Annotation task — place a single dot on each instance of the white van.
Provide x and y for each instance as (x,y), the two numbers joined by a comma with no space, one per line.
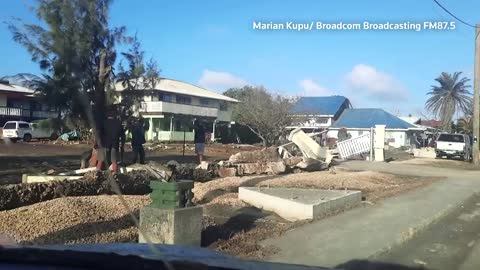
(20,130)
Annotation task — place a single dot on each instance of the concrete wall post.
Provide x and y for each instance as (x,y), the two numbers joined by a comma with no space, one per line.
(150,129)
(379,142)
(212,138)
(171,128)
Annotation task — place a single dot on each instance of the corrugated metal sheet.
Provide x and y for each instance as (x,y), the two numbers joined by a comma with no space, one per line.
(367,118)
(15,88)
(319,105)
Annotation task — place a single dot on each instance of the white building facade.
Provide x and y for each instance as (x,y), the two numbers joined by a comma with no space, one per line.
(360,121)
(172,106)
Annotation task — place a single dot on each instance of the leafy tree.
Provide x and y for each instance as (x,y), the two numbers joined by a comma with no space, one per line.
(452,95)
(264,113)
(76,50)
(139,77)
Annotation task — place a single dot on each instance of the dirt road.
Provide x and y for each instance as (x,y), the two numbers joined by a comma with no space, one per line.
(20,158)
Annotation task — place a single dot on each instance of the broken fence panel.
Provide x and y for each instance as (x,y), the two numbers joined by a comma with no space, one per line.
(354,146)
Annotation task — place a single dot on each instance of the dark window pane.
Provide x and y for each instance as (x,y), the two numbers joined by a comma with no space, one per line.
(451,138)
(184,99)
(10,126)
(165,97)
(204,101)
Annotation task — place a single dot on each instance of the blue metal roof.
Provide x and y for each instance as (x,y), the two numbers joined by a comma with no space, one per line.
(367,118)
(319,105)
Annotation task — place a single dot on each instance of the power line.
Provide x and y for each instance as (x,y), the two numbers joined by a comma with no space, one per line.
(459,31)
(453,15)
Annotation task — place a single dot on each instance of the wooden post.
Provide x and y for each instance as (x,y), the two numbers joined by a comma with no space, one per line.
(371,144)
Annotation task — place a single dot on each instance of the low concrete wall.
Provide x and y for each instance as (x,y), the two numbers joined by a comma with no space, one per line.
(299,204)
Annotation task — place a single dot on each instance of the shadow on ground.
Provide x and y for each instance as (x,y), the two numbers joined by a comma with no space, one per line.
(241,221)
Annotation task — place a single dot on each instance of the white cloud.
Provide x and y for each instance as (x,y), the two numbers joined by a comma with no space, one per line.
(375,83)
(220,80)
(311,88)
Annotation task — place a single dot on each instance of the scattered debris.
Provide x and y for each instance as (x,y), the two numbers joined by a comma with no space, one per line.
(355,146)
(203,165)
(227,172)
(310,165)
(276,168)
(69,136)
(309,148)
(265,155)
(80,171)
(292,161)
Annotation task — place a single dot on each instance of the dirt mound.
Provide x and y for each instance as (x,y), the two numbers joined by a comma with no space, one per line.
(374,185)
(13,196)
(92,219)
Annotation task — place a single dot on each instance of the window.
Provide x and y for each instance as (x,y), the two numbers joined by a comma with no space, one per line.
(450,138)
(204,101)
(165,97)
(20,125)
(321,120)
(10,126)
(184,99)
(223,106)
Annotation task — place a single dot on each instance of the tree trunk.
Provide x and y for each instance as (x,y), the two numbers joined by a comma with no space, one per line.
(99,106)
(264,140)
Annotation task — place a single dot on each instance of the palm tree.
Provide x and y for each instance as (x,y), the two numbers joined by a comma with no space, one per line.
(465,124)
(452,95)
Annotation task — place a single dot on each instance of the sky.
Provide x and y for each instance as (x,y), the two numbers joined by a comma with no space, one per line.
(214,44)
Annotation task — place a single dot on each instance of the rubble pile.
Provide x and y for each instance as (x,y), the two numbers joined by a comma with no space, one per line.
(133,183)
(266,161)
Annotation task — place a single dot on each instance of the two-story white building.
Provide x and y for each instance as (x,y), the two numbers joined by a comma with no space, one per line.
(172,106)
(20,103)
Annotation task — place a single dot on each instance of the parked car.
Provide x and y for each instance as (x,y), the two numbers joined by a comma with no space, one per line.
(451,145)
(20,130)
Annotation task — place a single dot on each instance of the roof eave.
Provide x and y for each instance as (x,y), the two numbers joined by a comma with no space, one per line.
(173,92)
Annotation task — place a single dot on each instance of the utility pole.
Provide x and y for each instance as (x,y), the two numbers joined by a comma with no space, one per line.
(476,100)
